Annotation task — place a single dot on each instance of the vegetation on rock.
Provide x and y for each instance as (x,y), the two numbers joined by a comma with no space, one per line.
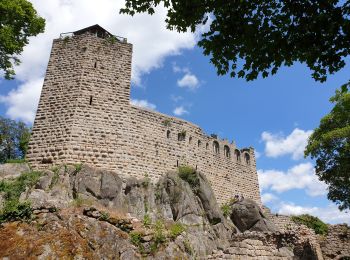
(312,222)
(188,174)
(12,189)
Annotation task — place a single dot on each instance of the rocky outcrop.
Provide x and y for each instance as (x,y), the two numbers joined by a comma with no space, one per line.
(247,215)
(85,213)
(13,170)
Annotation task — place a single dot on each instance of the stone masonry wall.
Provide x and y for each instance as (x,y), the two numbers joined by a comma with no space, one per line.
(336,245)
(84,115)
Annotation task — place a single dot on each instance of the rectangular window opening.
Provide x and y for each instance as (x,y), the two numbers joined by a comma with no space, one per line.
(90,100)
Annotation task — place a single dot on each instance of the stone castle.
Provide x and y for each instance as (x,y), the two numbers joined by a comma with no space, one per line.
(84,115)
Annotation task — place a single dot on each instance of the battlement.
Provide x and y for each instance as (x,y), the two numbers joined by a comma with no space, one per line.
(85,116)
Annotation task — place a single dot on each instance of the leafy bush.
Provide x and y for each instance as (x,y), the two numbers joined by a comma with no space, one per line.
(312,222)
(159,238)
(226,209)
(78,167)
(13,188)
(176,229)
(14,209)
(135,238)
(188,174)
(147,221)
(166,122)
(104,216)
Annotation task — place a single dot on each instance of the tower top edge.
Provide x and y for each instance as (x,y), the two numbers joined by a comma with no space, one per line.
(96,30)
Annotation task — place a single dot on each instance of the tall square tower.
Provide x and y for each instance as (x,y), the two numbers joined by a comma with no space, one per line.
(86,92)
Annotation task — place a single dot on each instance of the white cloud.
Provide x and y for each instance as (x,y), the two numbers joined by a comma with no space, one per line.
(23,100)
(143,103)
(179,111)
(301,176)
(294,144)
(152,42)
(189,81)
(178,69)
(330,214)
(268,197)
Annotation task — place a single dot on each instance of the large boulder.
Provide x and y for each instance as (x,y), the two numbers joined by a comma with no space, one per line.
(13,170)
(248,216)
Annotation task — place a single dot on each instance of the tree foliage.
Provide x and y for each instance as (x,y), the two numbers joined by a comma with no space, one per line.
(14,138)
(330,146)
(265,35)
(18,21)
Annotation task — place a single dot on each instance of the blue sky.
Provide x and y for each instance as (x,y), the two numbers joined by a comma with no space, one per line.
(171,75)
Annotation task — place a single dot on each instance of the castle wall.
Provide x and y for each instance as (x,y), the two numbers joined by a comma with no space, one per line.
(85,115)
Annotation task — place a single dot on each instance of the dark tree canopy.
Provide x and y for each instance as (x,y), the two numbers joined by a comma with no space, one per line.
(330,146)
(265,35)
(14,138)
(18,21)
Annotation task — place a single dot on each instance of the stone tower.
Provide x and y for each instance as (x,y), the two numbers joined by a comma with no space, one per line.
(87,80)
(85,116)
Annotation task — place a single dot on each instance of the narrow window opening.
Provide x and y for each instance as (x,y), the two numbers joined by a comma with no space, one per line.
(168,134)
(238,155)
(199,143)
(216,147)
(177,163)
(227,151)
(190,140)
(207,146)
(247,158)
(95,66)
(181,136)
(90,100)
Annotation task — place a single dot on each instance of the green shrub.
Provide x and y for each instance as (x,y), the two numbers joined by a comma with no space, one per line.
(312,222)
(166,122)
(159,238)
(147,221)
(78,167)
(104,216)
(14,209)
(176,229)
(135,238)
(226,209)
(14,187)
(146,181)
(188,174)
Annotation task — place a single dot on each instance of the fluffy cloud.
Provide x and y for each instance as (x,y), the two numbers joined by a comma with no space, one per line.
(294,144)
(151,40)
(330,214)
(22,100)
(143,103)
(179,111)
(301,176)
(189,81)
(268,197)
